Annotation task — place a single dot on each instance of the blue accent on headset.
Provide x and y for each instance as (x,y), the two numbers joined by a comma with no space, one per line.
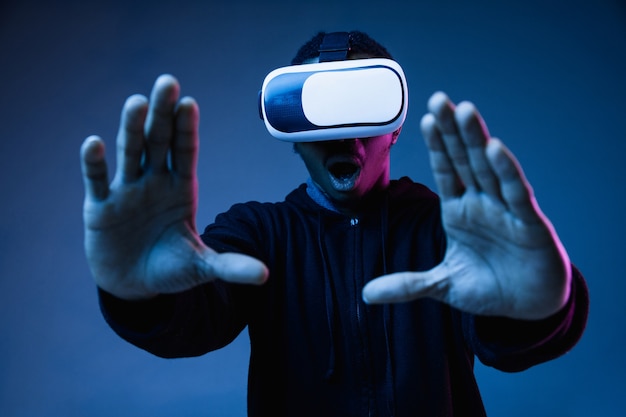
(283,103)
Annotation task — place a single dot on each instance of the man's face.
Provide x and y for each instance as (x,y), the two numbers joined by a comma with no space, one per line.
(348,170)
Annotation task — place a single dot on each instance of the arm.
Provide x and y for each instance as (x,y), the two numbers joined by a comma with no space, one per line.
(189,323)
(160,286)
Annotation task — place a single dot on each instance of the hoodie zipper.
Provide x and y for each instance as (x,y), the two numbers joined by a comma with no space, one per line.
(354,224)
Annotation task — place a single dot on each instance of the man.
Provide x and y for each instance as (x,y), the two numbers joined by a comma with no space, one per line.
(362,295)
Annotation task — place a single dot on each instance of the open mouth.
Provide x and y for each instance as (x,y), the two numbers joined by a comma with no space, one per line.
(344,175)
(343,170)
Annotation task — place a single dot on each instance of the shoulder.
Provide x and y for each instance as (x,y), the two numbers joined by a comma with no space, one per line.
(296,199)
(254,221)
(405,187)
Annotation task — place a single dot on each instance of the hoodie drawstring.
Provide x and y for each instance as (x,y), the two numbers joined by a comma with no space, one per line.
(387,323)
(329,296)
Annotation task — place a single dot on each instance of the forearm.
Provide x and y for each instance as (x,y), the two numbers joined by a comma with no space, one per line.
(184,324)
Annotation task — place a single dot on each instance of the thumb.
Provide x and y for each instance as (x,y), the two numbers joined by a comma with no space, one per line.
(236,268)
(406,286)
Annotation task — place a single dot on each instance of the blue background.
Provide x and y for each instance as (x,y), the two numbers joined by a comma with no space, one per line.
(548,76)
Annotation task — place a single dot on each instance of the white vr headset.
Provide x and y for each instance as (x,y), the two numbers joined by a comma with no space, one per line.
(334,100)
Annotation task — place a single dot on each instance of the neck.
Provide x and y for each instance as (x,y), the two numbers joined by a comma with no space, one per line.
(349,208)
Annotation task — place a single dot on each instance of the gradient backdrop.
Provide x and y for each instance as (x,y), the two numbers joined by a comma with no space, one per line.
(548,76)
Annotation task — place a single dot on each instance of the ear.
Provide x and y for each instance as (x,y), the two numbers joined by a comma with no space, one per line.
(395,134)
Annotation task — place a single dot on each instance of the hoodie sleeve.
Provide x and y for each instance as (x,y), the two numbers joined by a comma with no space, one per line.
(185,324)
(515,345)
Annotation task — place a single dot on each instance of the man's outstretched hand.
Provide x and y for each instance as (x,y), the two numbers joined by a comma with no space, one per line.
(140,234)
(503,256)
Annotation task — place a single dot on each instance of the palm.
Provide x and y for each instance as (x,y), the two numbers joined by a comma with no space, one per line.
(150,222)
(503,257)
(497,260)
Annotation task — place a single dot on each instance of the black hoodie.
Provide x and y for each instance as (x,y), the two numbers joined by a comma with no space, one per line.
(316,348)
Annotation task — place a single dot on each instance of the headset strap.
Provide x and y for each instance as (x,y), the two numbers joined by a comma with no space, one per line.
(335,47)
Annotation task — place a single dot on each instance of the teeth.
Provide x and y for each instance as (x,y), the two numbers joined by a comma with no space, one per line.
(343,184)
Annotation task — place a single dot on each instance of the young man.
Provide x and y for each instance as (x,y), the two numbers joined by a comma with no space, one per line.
(362,295)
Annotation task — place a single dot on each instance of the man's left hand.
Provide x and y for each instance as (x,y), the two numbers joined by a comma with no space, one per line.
(503,255)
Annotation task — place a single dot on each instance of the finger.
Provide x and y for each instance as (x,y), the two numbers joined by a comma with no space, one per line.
(185,147)
(445,176)
(235,267)
(443,109)
(405,286)
(130,139)
(160,121)
(475,136)
(515,189)
(94,169)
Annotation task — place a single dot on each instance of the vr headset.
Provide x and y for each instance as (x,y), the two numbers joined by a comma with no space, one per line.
(336,99)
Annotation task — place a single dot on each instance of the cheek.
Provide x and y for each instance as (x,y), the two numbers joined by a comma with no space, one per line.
(381,151)
(310,158)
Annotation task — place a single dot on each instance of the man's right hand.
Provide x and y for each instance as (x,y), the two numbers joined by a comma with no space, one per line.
(140,234)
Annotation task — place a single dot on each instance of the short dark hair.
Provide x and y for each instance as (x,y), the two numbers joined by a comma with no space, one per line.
(360,42)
